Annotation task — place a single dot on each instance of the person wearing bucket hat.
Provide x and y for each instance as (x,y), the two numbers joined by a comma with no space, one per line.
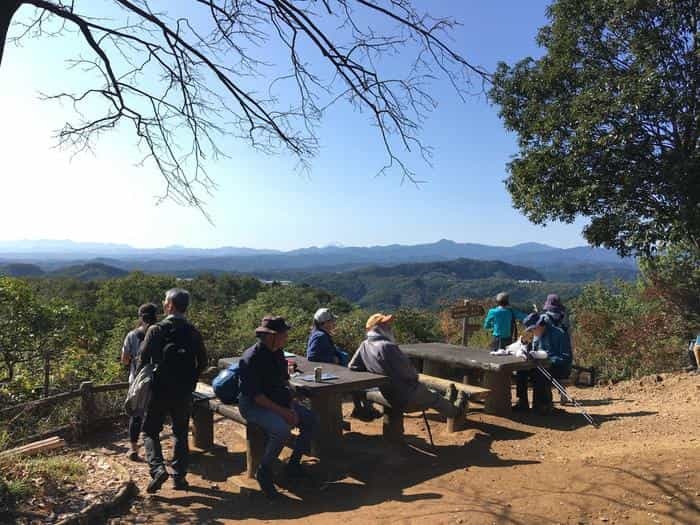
(321,349)
(556,344)
(266,399)
(130,357)
(380,354)
(502,321)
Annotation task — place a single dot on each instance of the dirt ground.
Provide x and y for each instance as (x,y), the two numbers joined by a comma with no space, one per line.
(640,466)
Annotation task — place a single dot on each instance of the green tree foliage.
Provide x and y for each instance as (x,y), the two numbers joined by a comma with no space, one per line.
(296,304)
(675,277)
(18,317)
(608,122)
(624,332)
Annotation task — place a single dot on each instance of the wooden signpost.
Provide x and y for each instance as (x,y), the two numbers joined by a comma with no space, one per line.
(464,311)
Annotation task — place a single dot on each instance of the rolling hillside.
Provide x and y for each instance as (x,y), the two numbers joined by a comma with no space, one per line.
(423,285)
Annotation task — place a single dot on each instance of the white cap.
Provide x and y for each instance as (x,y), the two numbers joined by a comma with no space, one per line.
(323,314)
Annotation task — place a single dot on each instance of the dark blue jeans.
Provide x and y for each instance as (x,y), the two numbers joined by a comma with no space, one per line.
(278,430)
(135,428)
(179,412)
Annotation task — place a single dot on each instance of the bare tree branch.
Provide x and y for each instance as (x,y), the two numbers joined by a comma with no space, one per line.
(185,87)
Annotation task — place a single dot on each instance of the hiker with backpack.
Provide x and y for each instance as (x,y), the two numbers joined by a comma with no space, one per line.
(502,321)
(130,357)
(266,399)
(177,350)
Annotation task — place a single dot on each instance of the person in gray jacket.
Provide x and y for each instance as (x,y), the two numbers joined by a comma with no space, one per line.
(380,354)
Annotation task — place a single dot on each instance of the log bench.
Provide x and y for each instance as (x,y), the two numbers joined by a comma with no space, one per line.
(438,358)
(392,422)
(204,405)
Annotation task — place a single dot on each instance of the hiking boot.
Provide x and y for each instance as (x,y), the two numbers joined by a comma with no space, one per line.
(521,406)
(451,393)
(462,402)
(133,455)
(365,413)
(180,483)
(296,471)
(542,410)
(157,482)
(264,479)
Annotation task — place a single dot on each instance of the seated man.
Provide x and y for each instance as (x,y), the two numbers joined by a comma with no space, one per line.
(266,400)
(380,354)
(556,343)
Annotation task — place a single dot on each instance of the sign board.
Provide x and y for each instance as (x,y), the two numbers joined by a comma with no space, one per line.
(466,310)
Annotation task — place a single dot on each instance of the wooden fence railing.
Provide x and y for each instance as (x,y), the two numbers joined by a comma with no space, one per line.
(83,418)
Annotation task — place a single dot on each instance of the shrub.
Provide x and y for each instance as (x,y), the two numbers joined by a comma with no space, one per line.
(624,333)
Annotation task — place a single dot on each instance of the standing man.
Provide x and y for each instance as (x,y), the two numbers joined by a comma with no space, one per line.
(130,358)
(177,350)
(501,320)
(266,399)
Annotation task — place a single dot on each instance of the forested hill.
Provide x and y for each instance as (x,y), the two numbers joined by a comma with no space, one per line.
(90,271)
(425,284)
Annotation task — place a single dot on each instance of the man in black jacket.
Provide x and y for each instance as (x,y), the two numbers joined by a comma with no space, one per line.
(176,348)
(268,401)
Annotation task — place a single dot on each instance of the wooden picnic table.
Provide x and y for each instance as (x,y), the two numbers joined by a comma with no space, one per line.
(497,369)
(326,396)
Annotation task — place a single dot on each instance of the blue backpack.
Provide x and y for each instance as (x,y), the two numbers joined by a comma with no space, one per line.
(226,384)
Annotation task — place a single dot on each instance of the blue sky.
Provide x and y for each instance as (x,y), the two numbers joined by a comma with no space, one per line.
(261,201)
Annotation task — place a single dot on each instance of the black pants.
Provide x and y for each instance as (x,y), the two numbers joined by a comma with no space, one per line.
(135,428)
(178,408)
(500,342)
(541,388)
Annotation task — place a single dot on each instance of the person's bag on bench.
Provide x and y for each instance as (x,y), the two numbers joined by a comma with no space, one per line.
(226,384)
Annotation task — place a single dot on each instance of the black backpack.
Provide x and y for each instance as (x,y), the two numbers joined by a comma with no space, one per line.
(176,373)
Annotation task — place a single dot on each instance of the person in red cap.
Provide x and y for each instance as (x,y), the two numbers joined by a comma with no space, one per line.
(380,354)
(267,400)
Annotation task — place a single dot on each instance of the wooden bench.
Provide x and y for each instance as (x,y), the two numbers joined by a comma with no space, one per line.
(205,404)
(392,423)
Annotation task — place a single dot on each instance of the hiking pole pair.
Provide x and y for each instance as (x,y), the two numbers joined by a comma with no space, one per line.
(563,391)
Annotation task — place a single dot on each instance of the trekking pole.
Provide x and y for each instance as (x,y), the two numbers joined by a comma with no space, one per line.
(427,426)
(563,392)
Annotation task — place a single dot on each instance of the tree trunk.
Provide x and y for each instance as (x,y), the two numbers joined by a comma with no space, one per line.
(47,372)
(7,11)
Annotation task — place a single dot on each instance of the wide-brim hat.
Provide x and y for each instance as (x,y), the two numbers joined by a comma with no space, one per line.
(378,318)
(273,325)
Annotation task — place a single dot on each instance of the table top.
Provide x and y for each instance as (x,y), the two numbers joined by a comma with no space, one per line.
(347,380)
(467,357)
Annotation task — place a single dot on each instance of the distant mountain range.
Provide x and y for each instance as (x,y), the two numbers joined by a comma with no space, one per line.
(566,264)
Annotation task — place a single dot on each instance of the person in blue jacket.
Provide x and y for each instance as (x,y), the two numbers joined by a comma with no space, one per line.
(501,320)
(557,344)
(321,349)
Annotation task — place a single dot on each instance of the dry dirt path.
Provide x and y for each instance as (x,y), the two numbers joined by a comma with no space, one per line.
(640,466)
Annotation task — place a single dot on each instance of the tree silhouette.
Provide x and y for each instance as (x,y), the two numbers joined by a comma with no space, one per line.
(181,76)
